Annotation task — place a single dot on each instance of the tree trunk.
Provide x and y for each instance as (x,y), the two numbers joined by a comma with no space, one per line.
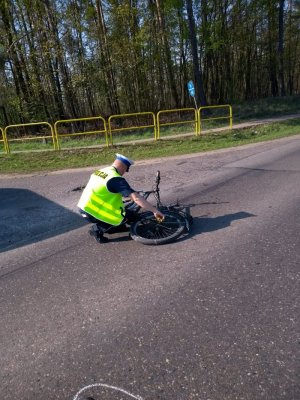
(108,66)
(272,50)
(200,95)
(281,47)
(167,52)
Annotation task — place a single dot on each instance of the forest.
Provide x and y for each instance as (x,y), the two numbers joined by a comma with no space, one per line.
(62,59)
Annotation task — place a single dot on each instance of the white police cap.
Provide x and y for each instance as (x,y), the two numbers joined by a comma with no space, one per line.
(124,160)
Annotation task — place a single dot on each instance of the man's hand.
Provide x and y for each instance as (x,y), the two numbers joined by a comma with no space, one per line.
(140,201)
(159,216)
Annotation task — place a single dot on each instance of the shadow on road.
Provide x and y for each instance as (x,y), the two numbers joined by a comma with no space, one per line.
(210,224)
(26,217)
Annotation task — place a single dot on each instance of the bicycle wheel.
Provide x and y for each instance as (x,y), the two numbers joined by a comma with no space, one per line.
(148,230)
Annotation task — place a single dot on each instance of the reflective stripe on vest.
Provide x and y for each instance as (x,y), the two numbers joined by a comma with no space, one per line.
(98,201)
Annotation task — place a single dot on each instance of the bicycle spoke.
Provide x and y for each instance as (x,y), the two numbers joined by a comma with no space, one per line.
(152,229)
(149,231)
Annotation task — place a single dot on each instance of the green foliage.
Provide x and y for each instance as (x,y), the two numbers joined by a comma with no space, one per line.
(262,108)
(66,59)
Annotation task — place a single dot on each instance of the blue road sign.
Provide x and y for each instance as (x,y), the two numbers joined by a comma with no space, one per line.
(191,88)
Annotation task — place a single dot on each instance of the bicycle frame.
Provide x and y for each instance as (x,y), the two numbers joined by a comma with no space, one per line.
(131,205)
(184,211)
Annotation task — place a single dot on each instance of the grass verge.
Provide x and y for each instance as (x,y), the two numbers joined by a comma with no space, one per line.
(28,162)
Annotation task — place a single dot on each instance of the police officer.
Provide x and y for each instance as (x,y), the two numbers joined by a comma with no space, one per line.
(101,201)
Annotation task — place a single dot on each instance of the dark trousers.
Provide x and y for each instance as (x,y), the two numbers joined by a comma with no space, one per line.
(130,216)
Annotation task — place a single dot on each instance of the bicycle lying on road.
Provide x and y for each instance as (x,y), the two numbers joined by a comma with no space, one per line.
(148,230)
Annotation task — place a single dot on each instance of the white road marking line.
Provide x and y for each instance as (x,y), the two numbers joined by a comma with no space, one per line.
(106,386)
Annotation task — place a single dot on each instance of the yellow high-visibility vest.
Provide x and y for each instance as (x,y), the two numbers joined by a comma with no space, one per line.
(98,201)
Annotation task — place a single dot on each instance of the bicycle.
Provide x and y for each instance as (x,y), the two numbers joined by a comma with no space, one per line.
(150,231)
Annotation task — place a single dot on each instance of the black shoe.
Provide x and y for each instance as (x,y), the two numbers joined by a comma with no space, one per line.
(101,238)
(94,231)
(98,235)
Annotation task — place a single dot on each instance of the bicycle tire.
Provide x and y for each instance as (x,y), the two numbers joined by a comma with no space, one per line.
(148,230)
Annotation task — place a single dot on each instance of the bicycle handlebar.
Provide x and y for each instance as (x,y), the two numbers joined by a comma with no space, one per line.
(157,181)
(130,204)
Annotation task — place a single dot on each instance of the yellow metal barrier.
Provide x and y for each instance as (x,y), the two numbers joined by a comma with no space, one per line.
(215,118)
(195,120)
(156,122)
(29,138)
(4,140)
(94,132)
(119,116)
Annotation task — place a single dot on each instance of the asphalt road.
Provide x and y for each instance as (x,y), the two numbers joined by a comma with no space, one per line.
(211,317)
